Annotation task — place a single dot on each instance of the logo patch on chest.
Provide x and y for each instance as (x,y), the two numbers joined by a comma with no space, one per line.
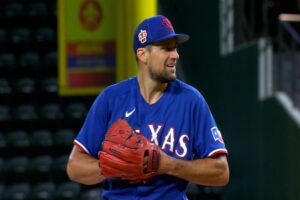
(129,113)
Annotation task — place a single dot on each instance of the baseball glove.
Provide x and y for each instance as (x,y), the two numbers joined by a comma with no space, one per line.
(127,155)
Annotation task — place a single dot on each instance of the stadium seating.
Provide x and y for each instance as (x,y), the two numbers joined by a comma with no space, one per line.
(3,36)
(18,142)
(37,9)
(58,168)
(18,191)
(25,112)
(2,190)
(50,59)
(39,169)
(41,142)
(3,147)
(5,91)
(75,111)
(1,173)
(42,191)
(91,194)
(14,9)
(30,60)
(67,191)
(20,35)
(25,85)
(37,125)
(43,34)
(5,87)
(15,169)
(49,85)
(51,111)
(63,139)
(5,117)
(7,60)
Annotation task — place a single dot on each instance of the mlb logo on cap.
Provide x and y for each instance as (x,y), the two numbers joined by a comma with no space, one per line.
(155,29)
(143,36)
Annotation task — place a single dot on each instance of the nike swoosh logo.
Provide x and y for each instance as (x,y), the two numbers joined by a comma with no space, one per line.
(127,114)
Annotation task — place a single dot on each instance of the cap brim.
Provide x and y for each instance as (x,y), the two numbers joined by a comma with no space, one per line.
(181,38)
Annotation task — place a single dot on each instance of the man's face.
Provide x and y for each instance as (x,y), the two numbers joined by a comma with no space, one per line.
(162,60)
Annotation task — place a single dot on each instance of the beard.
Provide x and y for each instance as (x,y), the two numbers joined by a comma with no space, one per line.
(161,76)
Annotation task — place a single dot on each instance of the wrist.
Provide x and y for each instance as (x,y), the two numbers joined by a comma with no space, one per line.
(166,165)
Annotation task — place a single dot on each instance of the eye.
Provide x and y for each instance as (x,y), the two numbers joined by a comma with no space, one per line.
(169,47)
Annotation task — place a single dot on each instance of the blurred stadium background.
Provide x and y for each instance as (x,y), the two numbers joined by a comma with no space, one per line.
(243,56)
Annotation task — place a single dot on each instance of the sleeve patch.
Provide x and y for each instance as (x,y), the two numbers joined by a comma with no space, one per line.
(217,134)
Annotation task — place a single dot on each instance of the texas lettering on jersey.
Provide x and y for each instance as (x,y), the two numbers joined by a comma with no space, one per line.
(169,140)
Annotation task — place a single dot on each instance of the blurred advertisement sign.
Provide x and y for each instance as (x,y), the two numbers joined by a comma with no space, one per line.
(87,46)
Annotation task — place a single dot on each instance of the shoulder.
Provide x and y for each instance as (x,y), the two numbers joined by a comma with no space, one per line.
(116,91)
(186,90)
(120,88)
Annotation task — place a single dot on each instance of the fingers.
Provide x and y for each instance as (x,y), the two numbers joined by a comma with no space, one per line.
(145,163)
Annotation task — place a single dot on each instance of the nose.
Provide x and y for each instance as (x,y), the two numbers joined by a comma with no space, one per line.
(174,54)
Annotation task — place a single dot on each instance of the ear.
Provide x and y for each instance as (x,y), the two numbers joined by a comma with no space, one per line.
(142,54)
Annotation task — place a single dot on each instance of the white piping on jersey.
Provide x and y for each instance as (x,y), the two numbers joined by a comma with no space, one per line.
(221,150)
(79,144)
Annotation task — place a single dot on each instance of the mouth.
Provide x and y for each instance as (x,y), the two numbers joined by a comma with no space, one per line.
(171,66)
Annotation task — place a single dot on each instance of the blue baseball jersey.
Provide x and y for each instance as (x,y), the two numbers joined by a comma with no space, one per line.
(180,122)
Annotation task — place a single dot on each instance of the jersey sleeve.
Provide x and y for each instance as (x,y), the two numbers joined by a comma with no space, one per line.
(208,139)
(94,128)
